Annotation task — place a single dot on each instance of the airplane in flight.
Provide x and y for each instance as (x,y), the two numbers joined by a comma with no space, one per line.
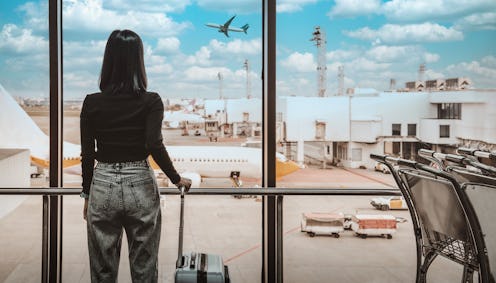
(18,130)
(225,27)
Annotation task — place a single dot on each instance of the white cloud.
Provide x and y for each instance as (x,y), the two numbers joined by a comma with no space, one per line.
(201,57)
(489,61)
(14,39)
(237,7)
(209,74)
(340,55)
(301,62)
(401,53)
(483,71)
(420,10)
(363,64)
(480,21)
(431,57)
(168,45)
(36,15)
(87,55)
(290,6)
(384,53)
(353,8)
(237,46)
(148,5)
(433,75)
(392,33)
(89,15)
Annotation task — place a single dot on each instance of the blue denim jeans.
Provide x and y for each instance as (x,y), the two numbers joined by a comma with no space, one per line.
(124,196)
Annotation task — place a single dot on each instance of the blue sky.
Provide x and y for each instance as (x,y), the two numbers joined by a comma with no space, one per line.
(374,40)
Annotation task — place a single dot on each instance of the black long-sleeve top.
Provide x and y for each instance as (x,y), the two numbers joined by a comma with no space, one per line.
(122,127)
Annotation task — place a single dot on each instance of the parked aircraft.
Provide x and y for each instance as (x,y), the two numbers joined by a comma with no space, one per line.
(225,27)
(18,130)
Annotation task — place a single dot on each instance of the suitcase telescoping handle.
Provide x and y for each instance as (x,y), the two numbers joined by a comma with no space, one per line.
(179,262)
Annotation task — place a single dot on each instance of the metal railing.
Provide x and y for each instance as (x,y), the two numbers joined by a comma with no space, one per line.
(48,194)
(218,191)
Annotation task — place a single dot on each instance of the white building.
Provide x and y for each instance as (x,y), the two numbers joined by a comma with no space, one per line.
(396,123)
(240,116)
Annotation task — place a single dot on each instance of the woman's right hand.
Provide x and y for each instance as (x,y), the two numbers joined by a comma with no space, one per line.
(184,182)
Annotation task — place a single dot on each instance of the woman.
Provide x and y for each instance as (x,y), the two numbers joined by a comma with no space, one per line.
(124,122)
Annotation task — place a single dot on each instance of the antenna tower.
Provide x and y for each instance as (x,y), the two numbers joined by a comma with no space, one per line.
(392,84)
(320,41)
(220,77)
(421,72)
(246,65)
(340,80)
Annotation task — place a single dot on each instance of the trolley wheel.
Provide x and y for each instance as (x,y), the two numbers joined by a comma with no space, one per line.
(311,234)
(384,207)
(363,236)
(389,236)
(335,235)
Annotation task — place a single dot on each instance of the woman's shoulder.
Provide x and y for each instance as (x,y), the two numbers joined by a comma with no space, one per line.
(92,96)
(151,97)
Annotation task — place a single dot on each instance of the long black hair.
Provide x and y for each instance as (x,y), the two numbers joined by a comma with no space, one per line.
(123,68)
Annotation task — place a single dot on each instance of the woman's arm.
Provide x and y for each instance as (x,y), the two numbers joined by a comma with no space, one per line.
(154,140)
(87,147)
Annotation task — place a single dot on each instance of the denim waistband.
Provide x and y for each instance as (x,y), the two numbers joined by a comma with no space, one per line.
(114,165)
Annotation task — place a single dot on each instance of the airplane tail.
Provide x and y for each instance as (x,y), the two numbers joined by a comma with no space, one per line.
(17,128)
(245,27)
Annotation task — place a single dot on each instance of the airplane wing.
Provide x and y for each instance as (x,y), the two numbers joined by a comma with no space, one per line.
(226,25)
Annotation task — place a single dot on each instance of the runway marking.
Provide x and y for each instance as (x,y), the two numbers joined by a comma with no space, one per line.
(370,178)
(243,253)
(259,245)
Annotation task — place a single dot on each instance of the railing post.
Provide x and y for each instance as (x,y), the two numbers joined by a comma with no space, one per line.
(270,244)
(52,262)
(44,241)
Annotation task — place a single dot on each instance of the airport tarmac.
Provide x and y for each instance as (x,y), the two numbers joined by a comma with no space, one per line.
(232,228)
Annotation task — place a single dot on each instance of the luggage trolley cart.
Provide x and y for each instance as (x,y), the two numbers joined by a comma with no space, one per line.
(322,224)
(373,225)
(445,223)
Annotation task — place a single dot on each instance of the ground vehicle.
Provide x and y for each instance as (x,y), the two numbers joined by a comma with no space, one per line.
(386,203)
(322,224)
(374,225)
(381,168)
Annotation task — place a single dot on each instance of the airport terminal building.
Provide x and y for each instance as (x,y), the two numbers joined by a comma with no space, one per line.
(350,128)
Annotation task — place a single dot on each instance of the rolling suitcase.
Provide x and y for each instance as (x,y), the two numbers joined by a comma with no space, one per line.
(198,267)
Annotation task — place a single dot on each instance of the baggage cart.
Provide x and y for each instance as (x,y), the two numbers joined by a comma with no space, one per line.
(322,224)
(374,225)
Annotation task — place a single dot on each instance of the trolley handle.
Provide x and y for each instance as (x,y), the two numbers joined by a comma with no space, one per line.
(464,150)
(180,259)
(378,157)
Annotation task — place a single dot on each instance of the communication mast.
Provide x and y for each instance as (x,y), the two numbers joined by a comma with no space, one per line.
(219,76)
(246,65)
(340,80)
(421,72)
(320,41)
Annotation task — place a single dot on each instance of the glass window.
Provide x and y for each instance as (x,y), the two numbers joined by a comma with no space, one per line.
(210,85)
(209,81)
(24,140)
(449,111)
(412,129)
(444,131)
(396,130)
